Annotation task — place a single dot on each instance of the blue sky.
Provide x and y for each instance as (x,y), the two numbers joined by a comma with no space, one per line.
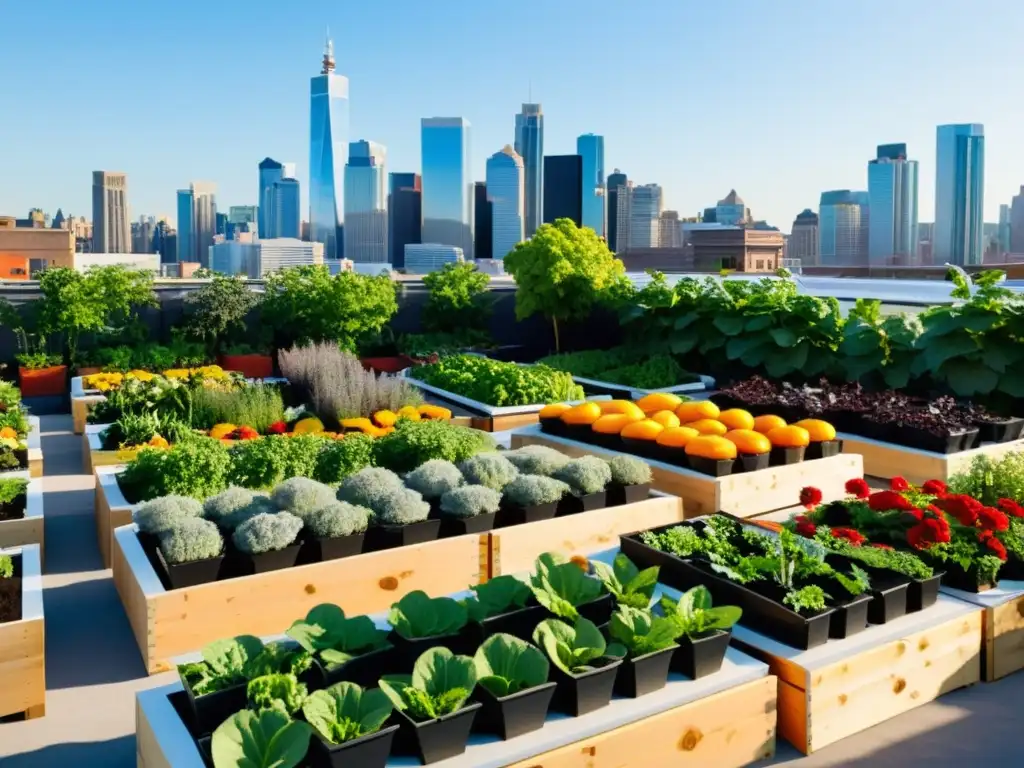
(780,99)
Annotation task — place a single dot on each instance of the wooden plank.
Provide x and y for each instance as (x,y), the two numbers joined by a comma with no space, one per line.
(889,460)
(514,549)
(500,423)
(30,529)
(744,494)
(1002,627)
(23,645)
(112,510)
(168,624)
(35,462)
(733,728)
(80,407)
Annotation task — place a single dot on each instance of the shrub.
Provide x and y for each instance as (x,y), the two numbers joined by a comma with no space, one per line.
(434,478)
(470,501)
(334,384)
(266,533)
(340,458)
(489,469)
(370,488)
(585,475)
(266,462)
(401,507)
(536,459)
(458,299)
(220,308)
(12,488)
(416,442)
(529,490)
(164,513)
(257,406)
(302,496)
(195,467)
(500,384)
(232,507)
(629,470)
(190,540)
(338,519)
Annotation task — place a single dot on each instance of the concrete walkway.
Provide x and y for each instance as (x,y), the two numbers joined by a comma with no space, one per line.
(94,669)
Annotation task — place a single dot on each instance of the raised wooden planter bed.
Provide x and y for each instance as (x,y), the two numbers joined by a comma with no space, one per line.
(22,644)
(169,623)
(1002,647)
(725,720)
(112,509)
(30,528)
(82,401)
(35,450)
(93,454)
(744,495)
(623,392)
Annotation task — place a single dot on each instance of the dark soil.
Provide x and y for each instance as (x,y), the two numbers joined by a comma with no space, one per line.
(10,594)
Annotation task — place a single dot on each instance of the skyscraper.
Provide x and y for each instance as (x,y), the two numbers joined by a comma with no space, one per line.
(615,180)
(110,233)
(186,226)
(285,212)
(366,200)
(529,145)
(483,238)
(645,208)
(405,215)
(591,148)
(892,203)
(843,228)
(731,211)
(447,184)
(328,155)
(959,194)
(670,234)
(803,242)
(563,188)
(1004,229)
(506,193)
(1017,223)
(271,171)
(197,222)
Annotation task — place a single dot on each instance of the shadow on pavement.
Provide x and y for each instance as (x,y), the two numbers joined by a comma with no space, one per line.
(114,753)
(71,545)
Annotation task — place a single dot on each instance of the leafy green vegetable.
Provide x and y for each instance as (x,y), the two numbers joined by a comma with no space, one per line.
(499,595)
(856,583)
(561,587)
(499,384)
(225,664)
(260,739)
(345,711)
(276,691)
(417,616)
(506,665)
(695,615)
(627,583)
(571,648)
(440,684)
(640,632)
(336,639)
(6,567)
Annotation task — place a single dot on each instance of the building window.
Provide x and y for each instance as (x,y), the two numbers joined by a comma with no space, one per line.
(760,265)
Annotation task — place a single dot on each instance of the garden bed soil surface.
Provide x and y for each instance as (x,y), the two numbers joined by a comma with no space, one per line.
(10,594)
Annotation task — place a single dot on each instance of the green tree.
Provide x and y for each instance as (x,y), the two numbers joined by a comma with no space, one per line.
(459,300)
(562,272)
(219,311)
(70,305)
(120,292)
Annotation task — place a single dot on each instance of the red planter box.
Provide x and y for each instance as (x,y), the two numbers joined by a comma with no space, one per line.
(251,366)
(386,364)
(43,382)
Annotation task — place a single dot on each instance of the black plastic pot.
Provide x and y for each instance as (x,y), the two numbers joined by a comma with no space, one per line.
(21,454)
(609,441)
(365,670)
(922,593)
(888,603)
(206,750)
(511,716)
(712,467)
(700,656)
(553,426)
(212,709)
(519,623)
(751,462)
(1005,431)
(598,611)
(191,574)
(456,526)
(585,693)
(823,449)
(644,556)
(510,514)
(849,617)
(581,433)
(370,751)
(617,495)
(149,542)
(321,550)
(464,642)
(670,455)
(265,562)
(15,508)
(643,674)
(573,505)
(380,537)
(914,437)
(781,457)
(956,577)
(648,449)
(435,740)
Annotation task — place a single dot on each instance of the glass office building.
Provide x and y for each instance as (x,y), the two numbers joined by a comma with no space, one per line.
(505,191)
(959,194)
(424,258)
(563,188)
(328,155)
(185,225)
(892,203)
(286,214)
(271,172)
(447,185)
(366,199)
(591,148)
(529,145)
(616,180)
(843,227)
(405,214)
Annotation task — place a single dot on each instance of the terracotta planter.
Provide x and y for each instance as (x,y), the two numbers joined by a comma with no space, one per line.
(43,382)
(251,366)
(89,371)
(392,364)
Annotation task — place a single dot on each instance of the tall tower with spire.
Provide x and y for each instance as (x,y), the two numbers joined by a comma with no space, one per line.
(328,155)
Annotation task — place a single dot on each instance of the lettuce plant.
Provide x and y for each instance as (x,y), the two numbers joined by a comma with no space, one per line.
(627,583)
(571,648)
(638,632)
(496,596)
(506,665)
(439,685)
(417,616)
(268,738)
(336,639)
(226,663)
(280,691)
(695,615)
(345,711)
(561,587)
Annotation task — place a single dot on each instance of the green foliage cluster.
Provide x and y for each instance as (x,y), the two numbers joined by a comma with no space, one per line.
(257,406)
(416,442)
(458,299)
(146,356)
(989,480)
(218,314)
(10,489)
(629,366)
(496,383)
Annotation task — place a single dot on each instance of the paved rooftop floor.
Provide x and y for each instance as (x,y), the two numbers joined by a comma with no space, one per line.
(94,668)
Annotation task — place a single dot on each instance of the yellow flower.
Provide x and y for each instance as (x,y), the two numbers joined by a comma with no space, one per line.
(385,418)
(409,412)
(438,412)
(361,423)
(177,373)
(8,433)
(221,431)
(158,442)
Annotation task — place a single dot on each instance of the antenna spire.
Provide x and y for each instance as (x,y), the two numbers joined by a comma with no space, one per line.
(328,61)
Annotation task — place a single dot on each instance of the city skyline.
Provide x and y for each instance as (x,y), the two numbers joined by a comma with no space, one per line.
(693,147)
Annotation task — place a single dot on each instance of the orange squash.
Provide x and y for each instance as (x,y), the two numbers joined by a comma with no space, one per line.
(627,407)
(647,429)
(768,422)
(818,430)
(676,437)
(708,426)
(667,419)
(695,410)
(582,414)
(554,411)
(611,423)
(711,447)
(659,401)
(748,441)
(737,418)
(789,437)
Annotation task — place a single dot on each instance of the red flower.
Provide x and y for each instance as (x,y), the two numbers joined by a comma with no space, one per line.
(880,545)
(931,530)
(277,428)
(883,501)
(963,508)
(810,497)
(805,527)
(992,519)
(913,515)
(994,545)
(934,488)
(853,536)
(899,484)
(858,487)
(247,433)
(1011,507)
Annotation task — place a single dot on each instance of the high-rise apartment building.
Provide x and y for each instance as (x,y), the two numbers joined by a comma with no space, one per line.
(110,233)
(184,244)
(1003,233)
(591,148)
(483,238)
(529,145)
(843,223)
(670,234)
(141,233)
(405,215)
(959,194)
(616,180)
(803,241)
(447,185)
(1017,223)
(366,200)
(197,221)
(328,155)
(892,204)
(645,206)
(563,188)
(506,193)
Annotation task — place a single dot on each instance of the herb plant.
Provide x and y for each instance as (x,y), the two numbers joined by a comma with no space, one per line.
(434,478)
(266,533)
(337,459)
(162,514)
(627,584)
(531,490)
(506,665)
(417,616)
(345,711)
(499,384)
(536,459)
(191,540)
(490,469)
(440,684)
(470,501)
(416,442)
(11,489)
(196,467)
(585,475)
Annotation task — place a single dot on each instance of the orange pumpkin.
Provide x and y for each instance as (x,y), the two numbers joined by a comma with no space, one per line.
(667,419)
(818,430)
(554,411)
(677,437)
(748,441)
(789,437)
(611,423)
(582,414)
(708,426)
(695,410)
(626,407)
(711,447)
(768,422)
(647,429)
(659,401)
(736,418)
